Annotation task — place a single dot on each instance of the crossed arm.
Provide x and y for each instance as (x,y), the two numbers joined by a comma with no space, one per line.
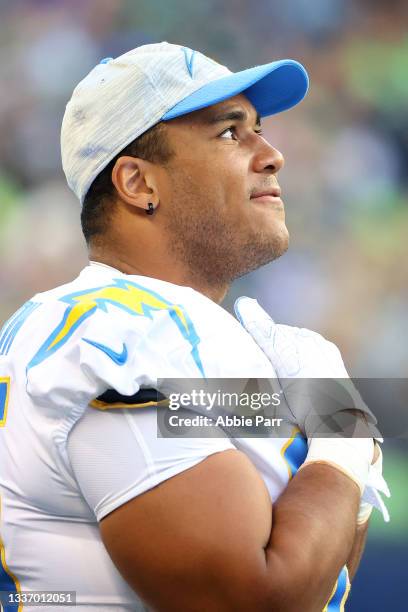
(209,539)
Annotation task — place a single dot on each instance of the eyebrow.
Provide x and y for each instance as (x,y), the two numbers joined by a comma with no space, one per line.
(231,115)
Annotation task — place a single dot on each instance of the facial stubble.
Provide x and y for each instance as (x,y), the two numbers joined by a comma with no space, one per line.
(216,251)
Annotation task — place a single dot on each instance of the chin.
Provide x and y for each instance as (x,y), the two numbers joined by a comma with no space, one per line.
(261,250)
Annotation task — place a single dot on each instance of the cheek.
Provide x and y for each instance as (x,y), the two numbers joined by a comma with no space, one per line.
(235,186)
(219,184)
(203,182)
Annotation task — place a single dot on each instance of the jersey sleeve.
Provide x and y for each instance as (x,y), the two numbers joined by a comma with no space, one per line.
(116,455)
(106,351)
(80,378)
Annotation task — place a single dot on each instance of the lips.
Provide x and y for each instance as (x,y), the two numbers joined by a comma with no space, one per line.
(273,192)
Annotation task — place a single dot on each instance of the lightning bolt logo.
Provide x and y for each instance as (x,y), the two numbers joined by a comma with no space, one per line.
(127,295)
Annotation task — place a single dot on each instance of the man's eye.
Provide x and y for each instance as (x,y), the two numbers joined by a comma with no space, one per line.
(228,133)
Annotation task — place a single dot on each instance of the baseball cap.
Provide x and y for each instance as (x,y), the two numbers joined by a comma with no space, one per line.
(122,98)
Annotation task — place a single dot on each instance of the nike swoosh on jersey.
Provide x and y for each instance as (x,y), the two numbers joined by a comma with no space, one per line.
(119,358)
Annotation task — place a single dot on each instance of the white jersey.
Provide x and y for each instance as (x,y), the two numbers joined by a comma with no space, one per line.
(74,442)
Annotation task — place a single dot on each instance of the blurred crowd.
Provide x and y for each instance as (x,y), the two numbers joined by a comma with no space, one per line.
(345,182)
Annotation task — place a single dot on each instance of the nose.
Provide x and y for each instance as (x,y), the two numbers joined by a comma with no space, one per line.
(267,159)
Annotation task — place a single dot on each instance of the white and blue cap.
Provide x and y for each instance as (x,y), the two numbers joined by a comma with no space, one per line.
(122,98)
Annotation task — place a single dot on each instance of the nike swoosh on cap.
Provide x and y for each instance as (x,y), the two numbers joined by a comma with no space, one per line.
(119,358)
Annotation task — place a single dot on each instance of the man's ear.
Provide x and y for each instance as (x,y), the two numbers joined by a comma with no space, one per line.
(135,182)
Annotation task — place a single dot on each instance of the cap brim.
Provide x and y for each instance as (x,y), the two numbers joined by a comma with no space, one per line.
(272,88)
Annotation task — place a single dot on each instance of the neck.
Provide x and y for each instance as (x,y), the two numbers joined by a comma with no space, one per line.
(171,272)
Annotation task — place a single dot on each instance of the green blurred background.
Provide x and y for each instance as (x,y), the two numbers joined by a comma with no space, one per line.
(345,182)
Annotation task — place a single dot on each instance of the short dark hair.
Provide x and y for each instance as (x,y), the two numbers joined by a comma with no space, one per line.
(98,204)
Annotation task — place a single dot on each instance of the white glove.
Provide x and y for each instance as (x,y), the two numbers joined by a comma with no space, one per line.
(302,354)
(301,358)
(371,497)
(352,456)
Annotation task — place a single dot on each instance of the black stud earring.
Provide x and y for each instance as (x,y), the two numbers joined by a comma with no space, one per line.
(150,209)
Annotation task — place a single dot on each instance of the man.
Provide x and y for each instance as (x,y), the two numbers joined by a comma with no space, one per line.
(163,147)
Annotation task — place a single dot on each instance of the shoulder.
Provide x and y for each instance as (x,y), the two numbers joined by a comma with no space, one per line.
(108,306)
(107,331)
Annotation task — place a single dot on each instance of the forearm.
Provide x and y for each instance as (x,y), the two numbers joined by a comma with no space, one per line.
(357,550)
(314,525)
